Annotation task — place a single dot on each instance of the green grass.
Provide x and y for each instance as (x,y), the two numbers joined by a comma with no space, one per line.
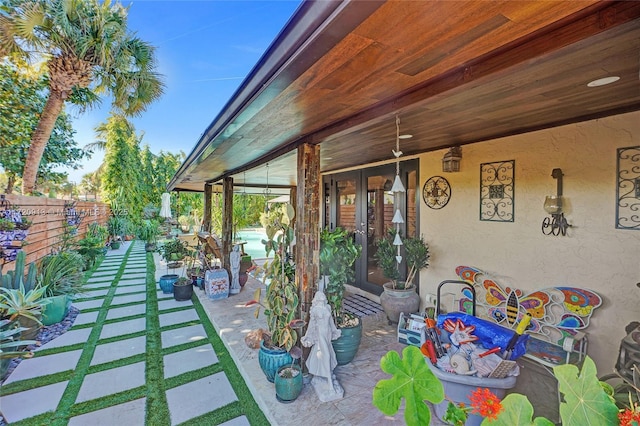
(154,390)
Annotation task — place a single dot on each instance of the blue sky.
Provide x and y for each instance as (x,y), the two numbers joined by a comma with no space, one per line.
(205,49)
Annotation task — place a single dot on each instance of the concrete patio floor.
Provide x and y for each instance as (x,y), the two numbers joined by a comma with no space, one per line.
(234,320)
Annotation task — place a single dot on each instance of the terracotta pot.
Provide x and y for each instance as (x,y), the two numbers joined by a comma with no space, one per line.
(395,301)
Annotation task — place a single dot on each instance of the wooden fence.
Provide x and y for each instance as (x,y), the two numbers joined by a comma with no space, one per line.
(48,216)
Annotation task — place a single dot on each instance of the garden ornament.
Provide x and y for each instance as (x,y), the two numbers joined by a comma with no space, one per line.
(322,358)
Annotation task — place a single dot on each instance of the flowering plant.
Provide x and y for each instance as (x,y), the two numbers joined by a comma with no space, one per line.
(585,401)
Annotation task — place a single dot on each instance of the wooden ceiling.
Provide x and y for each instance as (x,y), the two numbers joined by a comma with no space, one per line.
(455,72)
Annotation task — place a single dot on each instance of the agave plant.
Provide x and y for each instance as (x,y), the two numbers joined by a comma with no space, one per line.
(18,303)
(9,342)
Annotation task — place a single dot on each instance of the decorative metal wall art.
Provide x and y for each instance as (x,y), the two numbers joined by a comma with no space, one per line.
(628,188)
(436,192)
(497,185)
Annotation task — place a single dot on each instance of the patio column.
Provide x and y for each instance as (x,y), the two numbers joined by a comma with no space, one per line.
(227,220)
(206,220)
(307,229)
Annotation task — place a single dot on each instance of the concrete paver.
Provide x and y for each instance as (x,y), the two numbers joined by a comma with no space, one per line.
(126,311)
(71,337)
(182,335)
(135,281)
(189,360)
(172,303)
(88,304)
(111,381)
(178,317)
(199,397)
(129,413)
(92,293)
(44,365)
(32,402)
(130,289)
(86,318)
(238,421)
(120,299)
(123,327)
(106,352)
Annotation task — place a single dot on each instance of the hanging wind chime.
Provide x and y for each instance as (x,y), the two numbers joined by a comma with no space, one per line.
(397,189)
(267,192)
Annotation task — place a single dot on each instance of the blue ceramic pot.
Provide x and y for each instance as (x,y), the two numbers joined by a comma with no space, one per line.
(346,346)
(288,387)
(166,283)
(271,360)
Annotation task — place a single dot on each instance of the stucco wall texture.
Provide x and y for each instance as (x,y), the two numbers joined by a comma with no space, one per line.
(594,255)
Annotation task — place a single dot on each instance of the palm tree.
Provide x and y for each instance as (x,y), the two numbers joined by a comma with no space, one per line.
(87,46)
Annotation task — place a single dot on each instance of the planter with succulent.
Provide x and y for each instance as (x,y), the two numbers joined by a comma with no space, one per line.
(400,296)
(281,301)
(61,275)
(338,253)
(288,380)
(148,232)
(25,307)
(11,344)
(117,227)
(182,289)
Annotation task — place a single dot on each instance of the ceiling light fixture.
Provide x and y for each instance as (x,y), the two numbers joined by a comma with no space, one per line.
(406,136)
(603,81)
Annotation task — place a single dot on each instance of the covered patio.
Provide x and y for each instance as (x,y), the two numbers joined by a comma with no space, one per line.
(535,86)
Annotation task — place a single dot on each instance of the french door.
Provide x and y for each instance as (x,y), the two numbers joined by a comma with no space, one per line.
(361,202)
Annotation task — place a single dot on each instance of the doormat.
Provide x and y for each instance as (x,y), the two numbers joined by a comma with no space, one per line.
(360,305)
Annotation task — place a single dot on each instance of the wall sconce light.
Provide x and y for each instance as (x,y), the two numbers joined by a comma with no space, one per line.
(451,160)
(556,224)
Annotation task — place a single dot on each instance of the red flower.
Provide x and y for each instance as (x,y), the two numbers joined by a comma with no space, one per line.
(485,403)
(629,417)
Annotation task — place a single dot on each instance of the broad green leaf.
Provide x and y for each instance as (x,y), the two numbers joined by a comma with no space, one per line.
(585,401)
(517,411)
(412,380)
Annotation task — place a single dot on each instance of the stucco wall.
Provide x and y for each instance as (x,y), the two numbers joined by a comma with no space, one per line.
(595,255)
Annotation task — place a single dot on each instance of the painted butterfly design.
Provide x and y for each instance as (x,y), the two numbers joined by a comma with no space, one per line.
(556,311)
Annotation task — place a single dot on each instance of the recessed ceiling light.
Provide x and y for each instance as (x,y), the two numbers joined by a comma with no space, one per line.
(603,81)
(405,136)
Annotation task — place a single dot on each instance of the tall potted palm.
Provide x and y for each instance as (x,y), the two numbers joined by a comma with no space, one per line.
(88,50)
(400,295)
(338,253)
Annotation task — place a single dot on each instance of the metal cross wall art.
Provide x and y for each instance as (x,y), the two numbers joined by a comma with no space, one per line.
(628,188)
(497,186)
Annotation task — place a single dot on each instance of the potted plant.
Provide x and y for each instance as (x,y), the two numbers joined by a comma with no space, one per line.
(10,344)
(400,296)
(185,223)
(149,232)
(23,306)
(61,275)
(117,227)
(281,304)
(338,253)
(173,252)
(288,380)
(182,289)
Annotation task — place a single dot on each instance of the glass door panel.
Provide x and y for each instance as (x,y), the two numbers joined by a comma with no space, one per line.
(380,209)
(346,204)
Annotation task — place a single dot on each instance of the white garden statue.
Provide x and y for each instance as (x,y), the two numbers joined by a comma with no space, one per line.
(322,358)
(234,260)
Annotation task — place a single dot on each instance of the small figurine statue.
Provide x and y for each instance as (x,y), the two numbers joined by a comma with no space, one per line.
(234,260)
(322,358)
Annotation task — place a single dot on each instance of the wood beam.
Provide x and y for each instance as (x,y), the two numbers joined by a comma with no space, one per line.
(227,221)
(206,220)
(307,230)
